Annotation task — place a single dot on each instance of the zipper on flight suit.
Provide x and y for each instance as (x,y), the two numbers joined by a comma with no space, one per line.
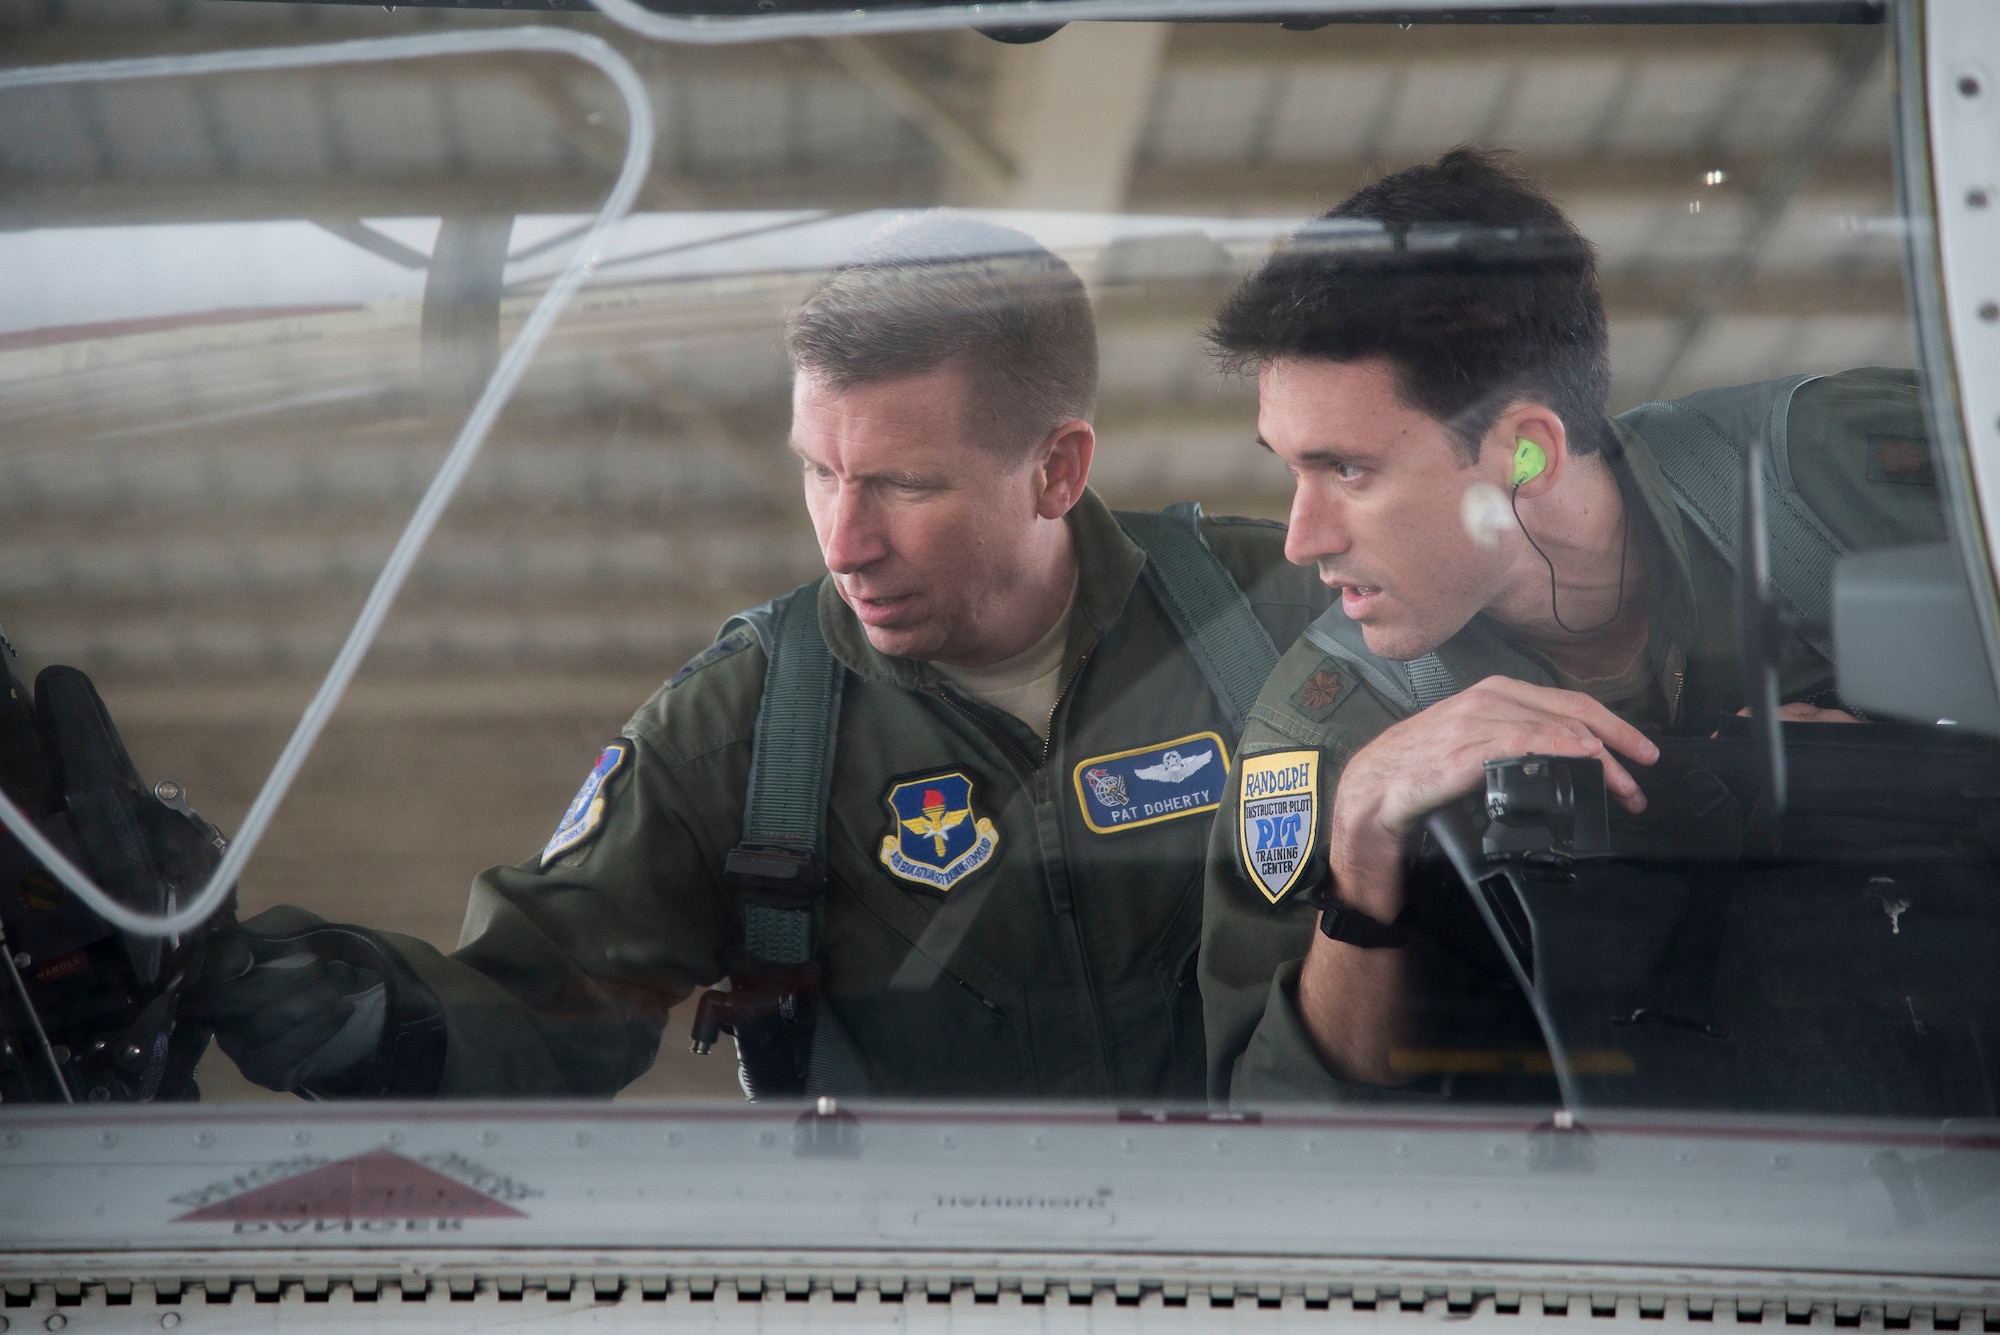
(1037,775)
(1677,672)
(949,694)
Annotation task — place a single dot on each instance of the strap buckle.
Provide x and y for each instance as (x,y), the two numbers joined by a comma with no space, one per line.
(1343,922)
(1337,922)
(774,877)
(777,891)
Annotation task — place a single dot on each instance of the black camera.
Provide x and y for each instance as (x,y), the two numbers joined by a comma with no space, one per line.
(1546,809)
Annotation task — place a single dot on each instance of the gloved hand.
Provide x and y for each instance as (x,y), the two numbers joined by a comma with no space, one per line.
(286,1008)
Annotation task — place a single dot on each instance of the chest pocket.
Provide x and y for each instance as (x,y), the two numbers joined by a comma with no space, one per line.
(930,1013)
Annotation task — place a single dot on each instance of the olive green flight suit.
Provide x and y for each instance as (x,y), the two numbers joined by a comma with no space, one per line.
(1061,967)
(1858,458)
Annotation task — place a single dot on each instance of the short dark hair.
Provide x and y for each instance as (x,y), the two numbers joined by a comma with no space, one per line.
(1463,275)
(941,289)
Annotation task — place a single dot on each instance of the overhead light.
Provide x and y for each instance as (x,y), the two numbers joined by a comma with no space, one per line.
(1716,176)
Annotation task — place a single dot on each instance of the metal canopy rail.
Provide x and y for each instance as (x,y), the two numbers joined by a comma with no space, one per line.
(258,1203)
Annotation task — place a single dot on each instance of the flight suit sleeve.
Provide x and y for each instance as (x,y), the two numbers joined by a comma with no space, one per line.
(1252,946)
(568,963)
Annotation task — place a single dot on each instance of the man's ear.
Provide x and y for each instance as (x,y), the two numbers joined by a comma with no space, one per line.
(1064,468)
(1538,425)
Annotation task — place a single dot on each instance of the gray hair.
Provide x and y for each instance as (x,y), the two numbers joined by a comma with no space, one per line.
(942,289)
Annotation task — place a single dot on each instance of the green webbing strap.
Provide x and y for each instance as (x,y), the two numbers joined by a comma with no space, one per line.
(791,766)
(777,935)
(1431,681)
(786,807)
(1227,640)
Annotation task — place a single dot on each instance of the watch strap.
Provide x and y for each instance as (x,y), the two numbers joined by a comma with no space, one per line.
(1337,922)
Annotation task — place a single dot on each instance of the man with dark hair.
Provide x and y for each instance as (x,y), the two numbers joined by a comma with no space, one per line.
(938,816)
(1516,574)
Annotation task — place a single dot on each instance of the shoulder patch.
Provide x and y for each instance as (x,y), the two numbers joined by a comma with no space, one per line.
(936,839)
(734,642)
(1149,784)
(1320,692)
(1278,807)
(586,810)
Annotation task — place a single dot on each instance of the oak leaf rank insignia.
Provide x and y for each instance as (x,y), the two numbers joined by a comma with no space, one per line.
(1321,691)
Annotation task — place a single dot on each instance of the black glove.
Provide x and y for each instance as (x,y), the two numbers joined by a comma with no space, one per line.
(286,1014)
(320,1008)
(107,1022)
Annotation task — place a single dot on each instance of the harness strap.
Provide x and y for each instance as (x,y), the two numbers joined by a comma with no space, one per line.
(1431,681)
(1206,605)
(779,867)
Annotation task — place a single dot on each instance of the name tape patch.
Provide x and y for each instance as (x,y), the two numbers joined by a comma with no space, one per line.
(1279,807)
(586,809)
(935,838)
(1149,784)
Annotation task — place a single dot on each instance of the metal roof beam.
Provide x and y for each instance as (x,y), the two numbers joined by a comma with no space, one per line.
(1306,188)
(964,145)
(1068,112)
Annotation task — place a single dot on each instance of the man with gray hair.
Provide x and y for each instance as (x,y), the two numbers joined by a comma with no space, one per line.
(938,816)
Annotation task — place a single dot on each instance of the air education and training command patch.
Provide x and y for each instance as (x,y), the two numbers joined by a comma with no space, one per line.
(1279,805)
(935,838)
(1149,784)
(586,810)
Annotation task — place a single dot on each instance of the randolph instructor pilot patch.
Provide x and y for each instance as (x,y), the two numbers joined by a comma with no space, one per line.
(1279,810)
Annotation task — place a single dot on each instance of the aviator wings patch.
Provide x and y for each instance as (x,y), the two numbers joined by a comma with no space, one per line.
(1149,784)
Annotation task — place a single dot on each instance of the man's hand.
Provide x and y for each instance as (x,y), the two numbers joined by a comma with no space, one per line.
(1360,1005)
(285,1014)
(1440,754)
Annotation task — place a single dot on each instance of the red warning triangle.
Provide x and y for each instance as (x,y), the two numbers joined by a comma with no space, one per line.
(378,1185)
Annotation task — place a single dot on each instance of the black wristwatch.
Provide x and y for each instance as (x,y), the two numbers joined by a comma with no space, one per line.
(1338,922)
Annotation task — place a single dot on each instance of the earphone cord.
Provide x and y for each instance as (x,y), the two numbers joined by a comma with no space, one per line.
(1624,545)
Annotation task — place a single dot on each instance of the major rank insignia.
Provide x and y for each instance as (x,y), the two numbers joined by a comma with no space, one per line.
(586,810)
(1279,807)
(935,838)
(1149,784)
